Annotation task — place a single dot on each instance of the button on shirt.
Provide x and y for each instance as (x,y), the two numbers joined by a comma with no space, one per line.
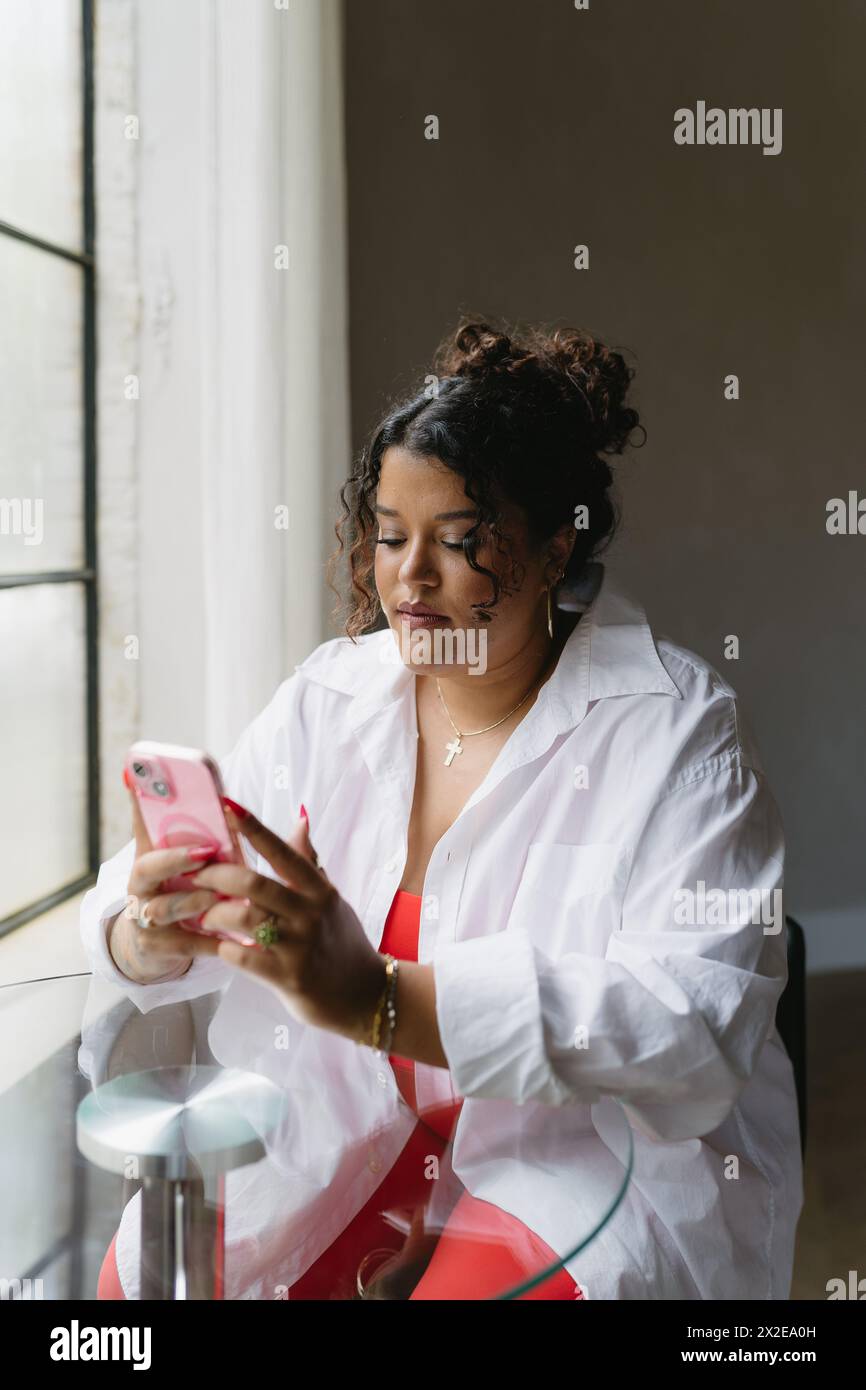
(603,919)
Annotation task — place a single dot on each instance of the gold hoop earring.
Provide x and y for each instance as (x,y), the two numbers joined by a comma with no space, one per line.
(550,588)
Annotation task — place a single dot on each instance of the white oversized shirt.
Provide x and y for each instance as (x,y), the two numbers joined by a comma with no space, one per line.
(591,921)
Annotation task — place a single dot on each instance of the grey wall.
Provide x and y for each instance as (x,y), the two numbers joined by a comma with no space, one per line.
(557,128)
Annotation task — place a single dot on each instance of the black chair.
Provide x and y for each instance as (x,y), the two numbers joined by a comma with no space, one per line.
(791,1016)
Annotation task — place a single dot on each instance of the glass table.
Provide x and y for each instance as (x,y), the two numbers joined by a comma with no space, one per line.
(135,1163)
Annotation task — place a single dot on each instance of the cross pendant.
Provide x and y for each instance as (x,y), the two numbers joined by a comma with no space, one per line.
(453,747)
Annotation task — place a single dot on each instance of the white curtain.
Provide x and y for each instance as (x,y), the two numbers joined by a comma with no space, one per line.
(274,394)
(219,141)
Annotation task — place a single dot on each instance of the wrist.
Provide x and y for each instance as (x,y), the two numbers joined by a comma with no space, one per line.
(117,942)
(120,941)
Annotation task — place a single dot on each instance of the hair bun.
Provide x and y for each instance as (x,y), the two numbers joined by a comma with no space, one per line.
(478,350)
(567,367)
(602,377)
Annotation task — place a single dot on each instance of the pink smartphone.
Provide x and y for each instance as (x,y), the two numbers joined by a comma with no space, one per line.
(179,791)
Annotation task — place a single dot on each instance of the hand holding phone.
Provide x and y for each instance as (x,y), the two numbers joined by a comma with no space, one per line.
(179,792)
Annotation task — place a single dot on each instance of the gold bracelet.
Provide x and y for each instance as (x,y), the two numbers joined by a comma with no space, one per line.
(377,1017)
(391,1002)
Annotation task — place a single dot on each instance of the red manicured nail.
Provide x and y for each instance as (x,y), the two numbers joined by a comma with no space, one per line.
(304,813)
(233,806)
(126,782)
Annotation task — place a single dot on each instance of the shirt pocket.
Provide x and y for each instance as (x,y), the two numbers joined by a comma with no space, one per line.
(570,896)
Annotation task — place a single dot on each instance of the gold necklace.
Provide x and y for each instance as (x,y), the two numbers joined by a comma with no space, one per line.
(456,745)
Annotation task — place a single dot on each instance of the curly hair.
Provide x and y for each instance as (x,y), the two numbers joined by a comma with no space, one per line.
(526,420)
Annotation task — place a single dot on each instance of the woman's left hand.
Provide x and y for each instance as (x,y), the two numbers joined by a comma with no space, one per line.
(323,966)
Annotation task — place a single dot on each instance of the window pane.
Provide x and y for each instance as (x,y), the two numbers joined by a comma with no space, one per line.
(43,750)
(40,117)
(41,416)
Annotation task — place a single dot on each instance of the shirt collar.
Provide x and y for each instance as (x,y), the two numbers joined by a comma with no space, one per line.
(611,652)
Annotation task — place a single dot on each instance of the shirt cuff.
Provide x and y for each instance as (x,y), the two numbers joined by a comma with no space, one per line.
(490,1022)
(100,905)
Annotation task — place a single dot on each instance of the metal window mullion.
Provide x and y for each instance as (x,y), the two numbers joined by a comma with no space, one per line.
(18,581)
(51,248)
(89,346)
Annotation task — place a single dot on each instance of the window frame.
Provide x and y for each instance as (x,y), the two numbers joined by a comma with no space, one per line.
(88,573)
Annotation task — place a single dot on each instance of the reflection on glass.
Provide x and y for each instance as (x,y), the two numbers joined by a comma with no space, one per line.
(205,1165)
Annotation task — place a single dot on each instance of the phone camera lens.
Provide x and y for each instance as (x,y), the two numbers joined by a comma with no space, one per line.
(160,788)
(140,769)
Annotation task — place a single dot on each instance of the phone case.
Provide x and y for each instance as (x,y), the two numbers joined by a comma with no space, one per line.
(179,792)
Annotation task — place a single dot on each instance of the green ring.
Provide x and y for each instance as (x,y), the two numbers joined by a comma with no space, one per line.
(266,934)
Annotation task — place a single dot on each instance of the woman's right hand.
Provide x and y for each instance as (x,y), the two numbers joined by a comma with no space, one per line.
(161,950)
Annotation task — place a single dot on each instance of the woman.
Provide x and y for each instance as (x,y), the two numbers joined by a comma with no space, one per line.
(527,806)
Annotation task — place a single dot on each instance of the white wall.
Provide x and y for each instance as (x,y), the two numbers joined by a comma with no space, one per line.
(557,130)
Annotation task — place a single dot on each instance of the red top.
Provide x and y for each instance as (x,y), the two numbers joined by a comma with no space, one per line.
(400,939)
